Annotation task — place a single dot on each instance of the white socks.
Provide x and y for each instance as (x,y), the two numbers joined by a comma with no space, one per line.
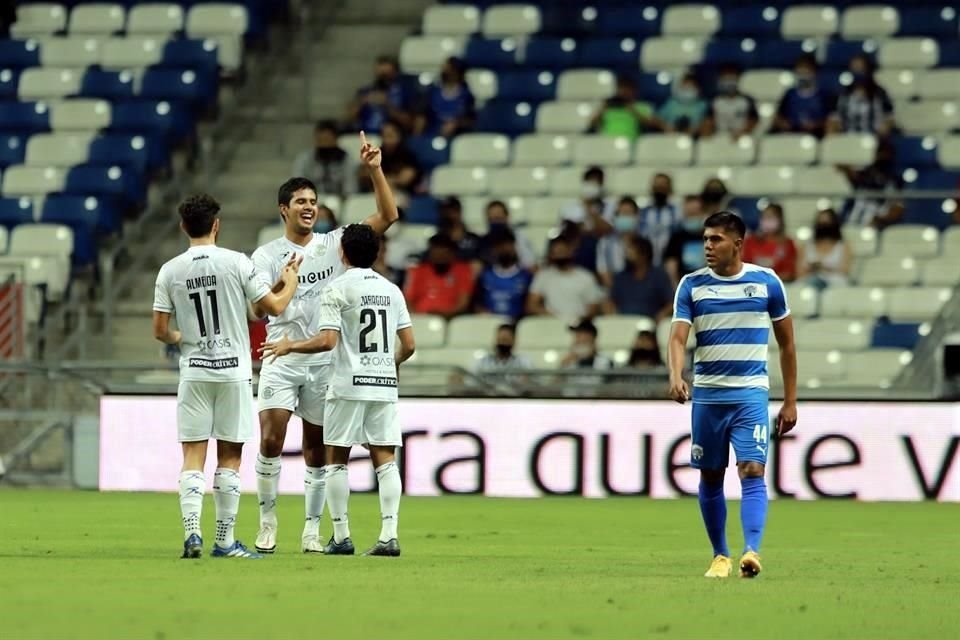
(388,478)
(314,495)
(226,496)
(192,486)
(268,481)
(338,495)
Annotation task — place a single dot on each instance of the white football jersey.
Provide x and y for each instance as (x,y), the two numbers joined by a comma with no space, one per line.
(321,264)
(367,310)
(208,288)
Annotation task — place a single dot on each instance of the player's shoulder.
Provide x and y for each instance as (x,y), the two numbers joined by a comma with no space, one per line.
(761,274)
(272,248)
(696,278)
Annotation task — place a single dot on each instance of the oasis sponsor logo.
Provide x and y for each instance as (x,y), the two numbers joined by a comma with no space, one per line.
(376,361)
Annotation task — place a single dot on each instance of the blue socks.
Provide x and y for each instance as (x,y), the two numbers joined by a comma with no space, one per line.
(753,512)
(713,507)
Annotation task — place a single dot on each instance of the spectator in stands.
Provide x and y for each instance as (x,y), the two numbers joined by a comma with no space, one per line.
(882,209)
(641,289)
(624,115)
(563,289)
(661,217)
(381,266)
(584,211)
(864,107)
(388,98)
(684,252)
(770,246)
(451,224)
(583,352)
(826,259)
(399,164)
(731,113)
(326,164)
(644,354)
(498,220)
(503,358)
(685,110)
(326,219)
(805,107)
(441,284)
(449,104)
(611,248)
(502,286)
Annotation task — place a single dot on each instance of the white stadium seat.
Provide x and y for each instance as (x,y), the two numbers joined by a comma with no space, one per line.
(938,84)
(80,115)
(566,181)
(539,236)
(909,240)
(874,21)
(357,208)
(863,241)
(480,150)
(930,116)
(798,212)
(155,19)
(950,241)
(543,358)
(820,181)
(511,20)
(431,330)
(918,304)
(822,365)
(132,52)
(874,367)
(34,271)
(791,149)
(350,142)
(941,272)
(459,181)
(462,358)
(32,181)
(690,180)
(835,333)
(908,53)
(618,332)
(658,54)
(545,212)
(813,21)
(804,300)
(217,19)
(854,149)
(51,240)
(690,20)
(668,150)
(522,181)
(270,233)
(563,117)
(451,20)
(482,83)
(70,52)
(39,18)
(540,332)
(585,84)
(41,83)
(722,150)
(474,332)
(4,239)
(101,18)
(601,150)
(475,212)
(634,181)
(58,149)
(948,152)
(853,302)
(765,181)
(533,150)
(883,272)
(901,84)
(420,54)
(766,85)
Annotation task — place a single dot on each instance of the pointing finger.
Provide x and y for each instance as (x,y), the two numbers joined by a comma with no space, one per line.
(363,138)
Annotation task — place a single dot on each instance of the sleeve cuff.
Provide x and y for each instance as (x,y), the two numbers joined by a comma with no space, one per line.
(329,327)
(682,320)
(163,309)
(779,318)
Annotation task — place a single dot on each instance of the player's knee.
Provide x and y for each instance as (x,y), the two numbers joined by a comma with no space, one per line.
(271,443)
(750,469)
(712,476)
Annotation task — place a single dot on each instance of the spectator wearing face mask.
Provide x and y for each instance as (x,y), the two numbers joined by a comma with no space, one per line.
(805,107)
(583,352)
(594,209)
(440,285)
(685,110)
(611,248)
(827,258)
(503,359)
(498,220)
(563,289)
(326,164)
(503,285)
(640,289)
(731,113)
(770,246)
(449,104)
(644,354)
(387,98)
(883,209)
(684,252)
(451,224)
(326,219)
(661,217)
(623,115)
(864,107)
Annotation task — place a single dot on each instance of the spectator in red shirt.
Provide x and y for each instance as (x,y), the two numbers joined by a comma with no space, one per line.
(440,285)
(770,247)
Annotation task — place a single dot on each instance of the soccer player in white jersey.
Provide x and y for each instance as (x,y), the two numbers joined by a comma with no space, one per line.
(299,383)
(361,315)
(209,288)
(730,304)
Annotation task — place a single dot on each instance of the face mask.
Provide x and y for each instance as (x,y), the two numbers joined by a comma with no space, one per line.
(447,78)
(624,223)
(590,190)
(562,263)
(686,94)
(728,87)
(323,226)
(327,154)
(805,81)
(582,350)
(859,76)
(641,355)
(495,227)
(660,198)
(504,350)
(382,83)
(769,225)
(826,231)
(442,267)
(693,225)
(507,259)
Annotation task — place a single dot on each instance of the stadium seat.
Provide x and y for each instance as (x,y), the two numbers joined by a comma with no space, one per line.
(874,368)
(47,84)
(147,116)
(483,84)
(522,181)
(670,150)
(53,240)
(188,86)
(563,117)
(901,84)
(659,54)
(12,150)
(70,210)
(853,149)
(80,115)
(99,18)
(109,85)
(9,82)
(566,181)
(882,272)
(39,19)
(835,333)
(631,180)
(947,152)
(70,52)
(804,300)
(19,54)
(473,332)
(822,366)
(874,21)
(890,335)
(506,117)
(766,85)
(941,272)
(908,53)
(431,151)
(791,149)
(628,20)
(765,181)
(451,20)
(540,332)
(585,84)
(935,21)
(934,179)
(909,240)
(741,52)
(930,116)
(58,149)
(550,53)
(431,330)
(938,84)
(618,332)
(609,53)
(457,181)
(532,86)
(15,211)
(465,359)
(545,150)
(820,181)
(690,180)
(719,150)
(511,20)
(195,54)
(32,181)
(544,212)
(270,233)
(950,242)
(357,208)
(752,20)
(919,152)
(427,53)
(490,54)
(480,150)
(814,21)
(863,241)
(918,304)
(159,19)
(690,20)
(853,302)
(224,22)
(133,52)
(124,187)
(601,150)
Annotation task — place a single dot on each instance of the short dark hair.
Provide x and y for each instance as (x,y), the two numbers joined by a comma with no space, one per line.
(728,67)
(506,326)
(593,172)
(808,60)
(728,221)
(361,244)
(291,186)
(386,59)
(441,241)
(642,245)
(326,125)
(502,236)
(498,203)
(197,214)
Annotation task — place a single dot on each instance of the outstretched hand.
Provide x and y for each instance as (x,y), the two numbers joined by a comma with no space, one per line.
(274,350)
(370,155)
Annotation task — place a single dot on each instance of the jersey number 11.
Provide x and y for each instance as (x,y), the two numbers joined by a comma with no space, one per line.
(198,305)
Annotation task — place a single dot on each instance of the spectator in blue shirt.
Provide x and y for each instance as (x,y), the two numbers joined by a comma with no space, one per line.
(805,107)
(502,287)
(388,98)
(449,104)
(661,217)
(641,289)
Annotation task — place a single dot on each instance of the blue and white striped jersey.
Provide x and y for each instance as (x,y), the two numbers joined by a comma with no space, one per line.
(731,319)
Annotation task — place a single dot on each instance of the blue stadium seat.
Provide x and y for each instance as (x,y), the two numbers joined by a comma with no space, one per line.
(749,209)
(123,185)
(422,210)
(93,212)
(779,53)
(610,53)
(936,22)
(731,51)
(911,152)
(510,118)
(158,118)
(937,180)
(9,83)
(490,54)
(14,211)
(430,152)
(19,54)
(24,117)
(927,212)
(895,335)
(13,149)
(191,54)
(530,86)
(949,53)
(82,222)
(109,85)
(654,86)
(829,79)
(758,21)
(551,53)
(636,21)
(839,52)
(571,19)
(198,88)
(125,150)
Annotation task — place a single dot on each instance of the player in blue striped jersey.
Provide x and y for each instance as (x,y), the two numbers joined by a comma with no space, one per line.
(730,305)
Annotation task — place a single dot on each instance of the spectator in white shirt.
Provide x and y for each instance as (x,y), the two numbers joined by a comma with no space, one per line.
(563,289)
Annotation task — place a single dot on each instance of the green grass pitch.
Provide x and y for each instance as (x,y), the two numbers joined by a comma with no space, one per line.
(89,565)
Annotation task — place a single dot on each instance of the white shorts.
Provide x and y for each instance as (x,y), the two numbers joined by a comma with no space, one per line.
(219,410)
(351,422)
(298,388)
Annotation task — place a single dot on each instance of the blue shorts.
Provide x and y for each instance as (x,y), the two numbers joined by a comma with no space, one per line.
(716,426)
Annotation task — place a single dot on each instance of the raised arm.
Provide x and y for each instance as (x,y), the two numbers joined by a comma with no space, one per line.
(387,212)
